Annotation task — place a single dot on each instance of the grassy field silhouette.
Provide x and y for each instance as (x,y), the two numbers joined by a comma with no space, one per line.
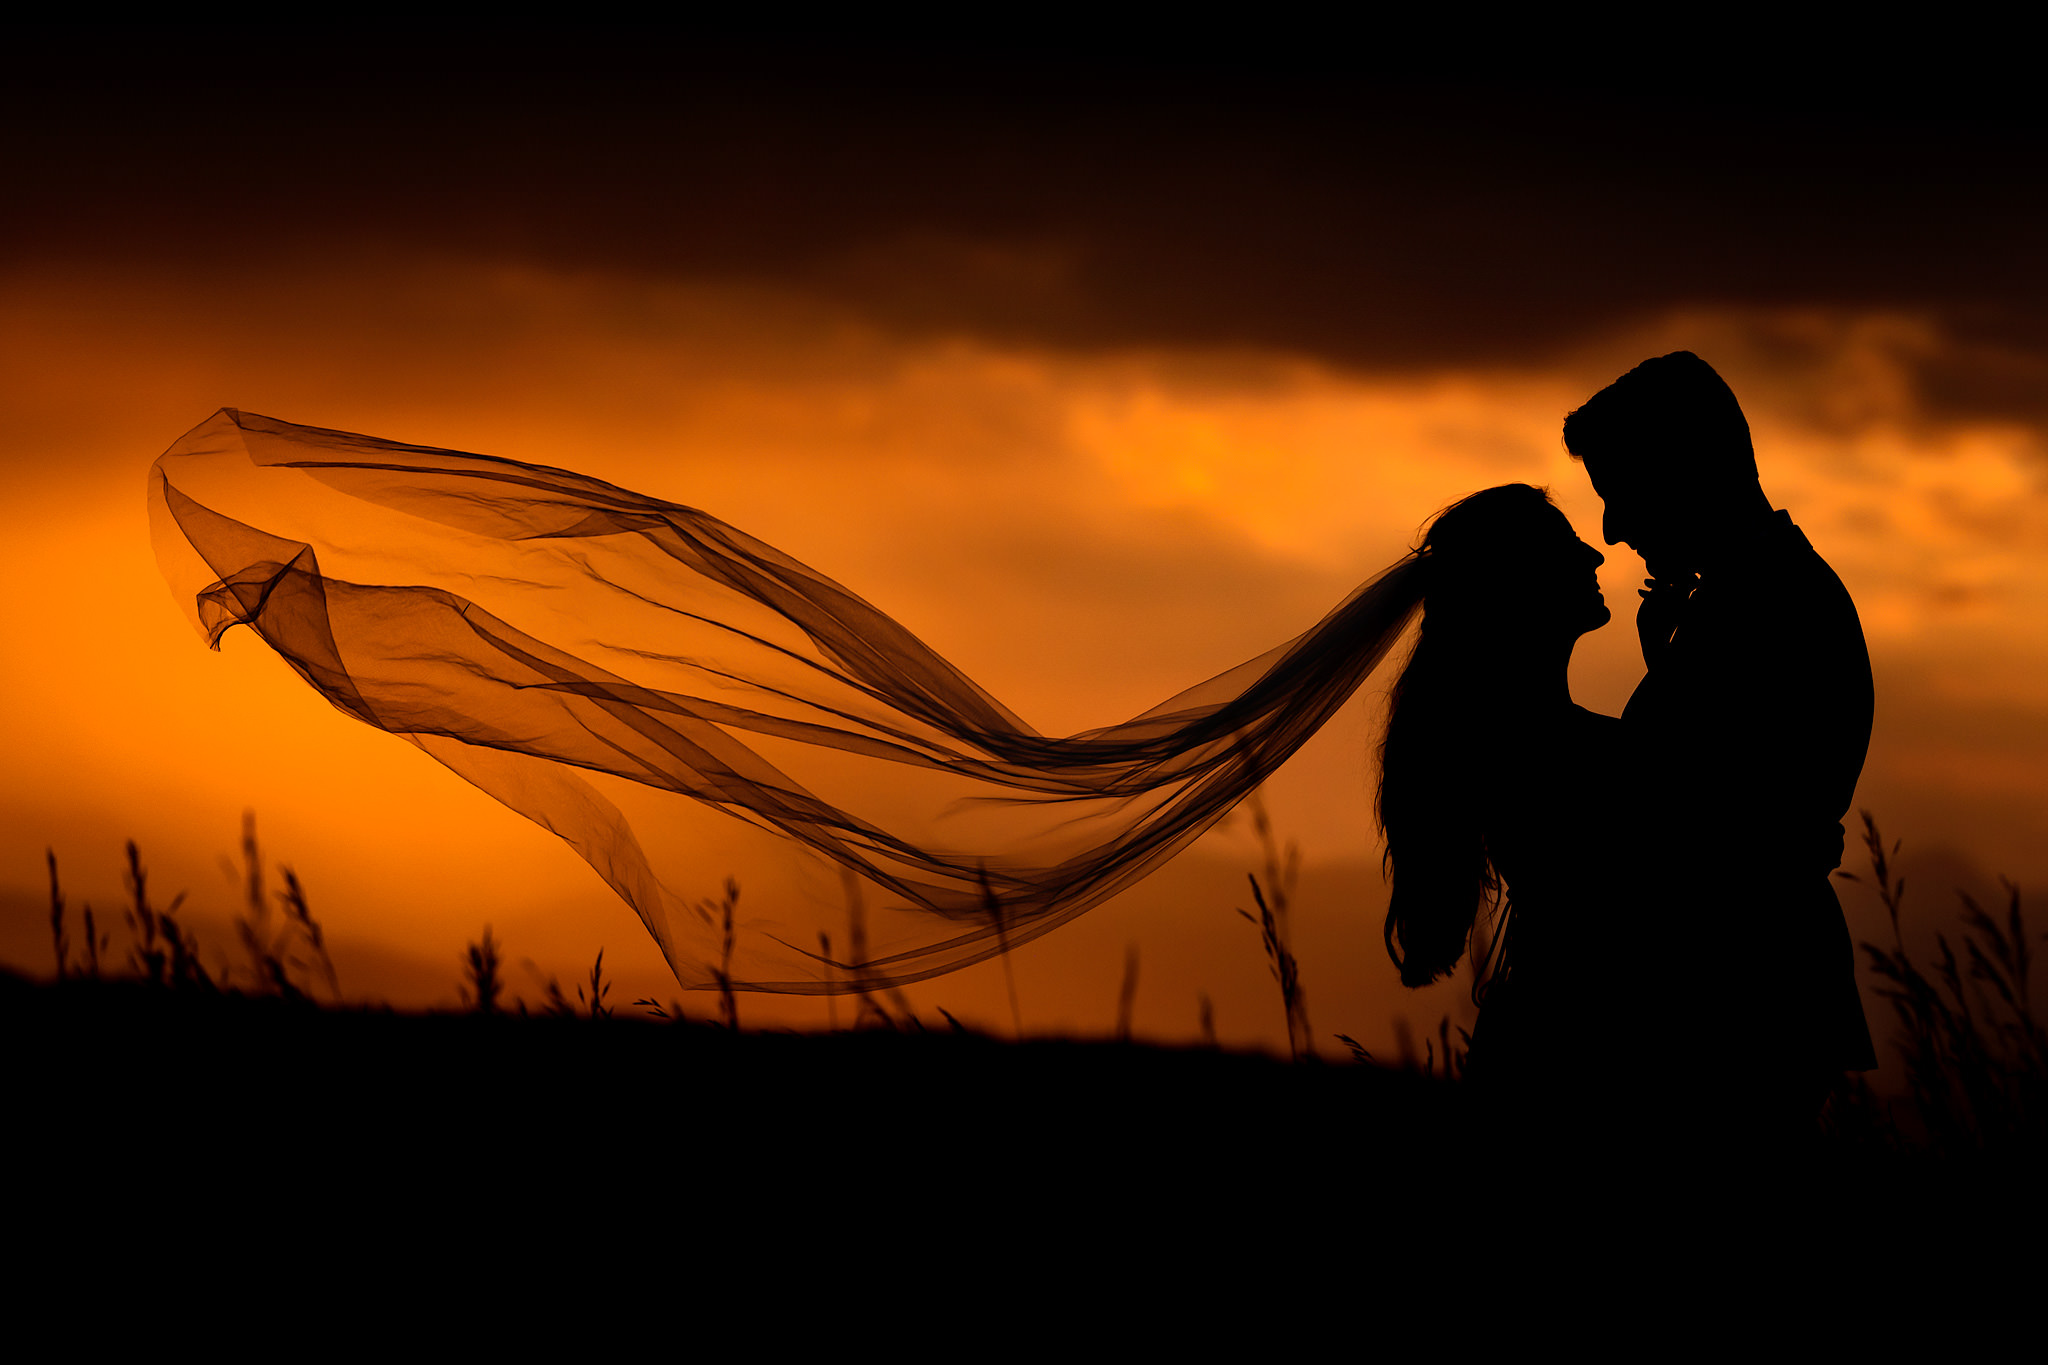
(135,1051)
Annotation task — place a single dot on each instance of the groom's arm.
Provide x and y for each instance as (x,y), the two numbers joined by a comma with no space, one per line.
(1790,699)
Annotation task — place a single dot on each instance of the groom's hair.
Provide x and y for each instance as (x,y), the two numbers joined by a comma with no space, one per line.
(1674,409)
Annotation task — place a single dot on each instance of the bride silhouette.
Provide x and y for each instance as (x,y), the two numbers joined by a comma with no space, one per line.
(1493,790)
(622,670)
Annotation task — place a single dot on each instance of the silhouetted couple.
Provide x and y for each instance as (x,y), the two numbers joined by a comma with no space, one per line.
(1668,948)
(636,676)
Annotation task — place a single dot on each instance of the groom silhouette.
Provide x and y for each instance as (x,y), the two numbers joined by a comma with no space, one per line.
(1746,737)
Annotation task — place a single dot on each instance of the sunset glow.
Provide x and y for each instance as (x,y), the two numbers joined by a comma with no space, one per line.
(1084,527)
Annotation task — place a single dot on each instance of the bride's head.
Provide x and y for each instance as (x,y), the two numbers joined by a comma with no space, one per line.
(1507,587)
(1504,569)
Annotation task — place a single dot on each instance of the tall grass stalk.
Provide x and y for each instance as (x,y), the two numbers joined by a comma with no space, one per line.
(720,913)
(1127,995)
(165,953)
(870,1010)
(1439,1057)
(994,905)
(280,957)
(482,974)
(300,915)
(1272,921)
(60,942)
(1975,1055)
(590,1001)
(95,944)
(253,925)
(831,997)
(599,989)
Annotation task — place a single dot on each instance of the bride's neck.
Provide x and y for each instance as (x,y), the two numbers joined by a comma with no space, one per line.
(1531,677)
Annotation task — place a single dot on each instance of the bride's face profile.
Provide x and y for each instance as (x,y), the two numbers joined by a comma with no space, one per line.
(1549,588)
(1562,578)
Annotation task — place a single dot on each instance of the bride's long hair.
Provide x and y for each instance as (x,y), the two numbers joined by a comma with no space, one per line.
(1434,756)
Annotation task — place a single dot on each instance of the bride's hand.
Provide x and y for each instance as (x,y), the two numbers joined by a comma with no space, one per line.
(1657,617)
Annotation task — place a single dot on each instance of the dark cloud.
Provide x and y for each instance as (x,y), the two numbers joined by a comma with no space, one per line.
(1277,195)
(1997,367)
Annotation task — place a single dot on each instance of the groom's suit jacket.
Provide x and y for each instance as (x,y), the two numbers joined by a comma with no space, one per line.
(1750,730)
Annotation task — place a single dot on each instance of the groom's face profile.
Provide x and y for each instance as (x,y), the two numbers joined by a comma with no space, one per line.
(1669,453)
(1643,512)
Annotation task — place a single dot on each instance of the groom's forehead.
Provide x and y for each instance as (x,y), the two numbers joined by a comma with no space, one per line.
(1626,471)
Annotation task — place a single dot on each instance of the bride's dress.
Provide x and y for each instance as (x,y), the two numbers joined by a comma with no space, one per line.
(1575,933)
(623,670)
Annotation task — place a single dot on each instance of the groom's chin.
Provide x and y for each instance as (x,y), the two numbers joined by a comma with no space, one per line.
(1667,567)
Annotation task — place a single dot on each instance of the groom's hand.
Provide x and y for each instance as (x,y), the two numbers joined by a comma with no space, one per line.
(1657,618)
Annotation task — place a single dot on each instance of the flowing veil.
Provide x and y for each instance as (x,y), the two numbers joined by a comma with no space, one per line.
(634,675)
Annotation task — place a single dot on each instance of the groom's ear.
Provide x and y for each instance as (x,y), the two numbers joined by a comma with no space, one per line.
(1673,419)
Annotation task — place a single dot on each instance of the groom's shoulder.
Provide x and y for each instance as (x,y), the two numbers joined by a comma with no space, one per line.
(1780,556)
(1818,603)
(1800,565)
(1784,591)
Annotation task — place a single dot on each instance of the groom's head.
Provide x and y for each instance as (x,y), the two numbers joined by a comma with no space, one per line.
(1668,450)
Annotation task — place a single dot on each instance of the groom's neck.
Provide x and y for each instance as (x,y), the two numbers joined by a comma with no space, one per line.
(1738,533)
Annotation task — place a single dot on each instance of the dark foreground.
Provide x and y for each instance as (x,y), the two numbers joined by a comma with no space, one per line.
(841,1125)
(151,1114)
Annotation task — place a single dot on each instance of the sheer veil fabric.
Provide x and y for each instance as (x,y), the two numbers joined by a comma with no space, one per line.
(635,675)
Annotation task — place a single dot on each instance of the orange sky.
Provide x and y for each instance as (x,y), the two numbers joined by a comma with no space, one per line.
(1085,524)
(1085,533)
